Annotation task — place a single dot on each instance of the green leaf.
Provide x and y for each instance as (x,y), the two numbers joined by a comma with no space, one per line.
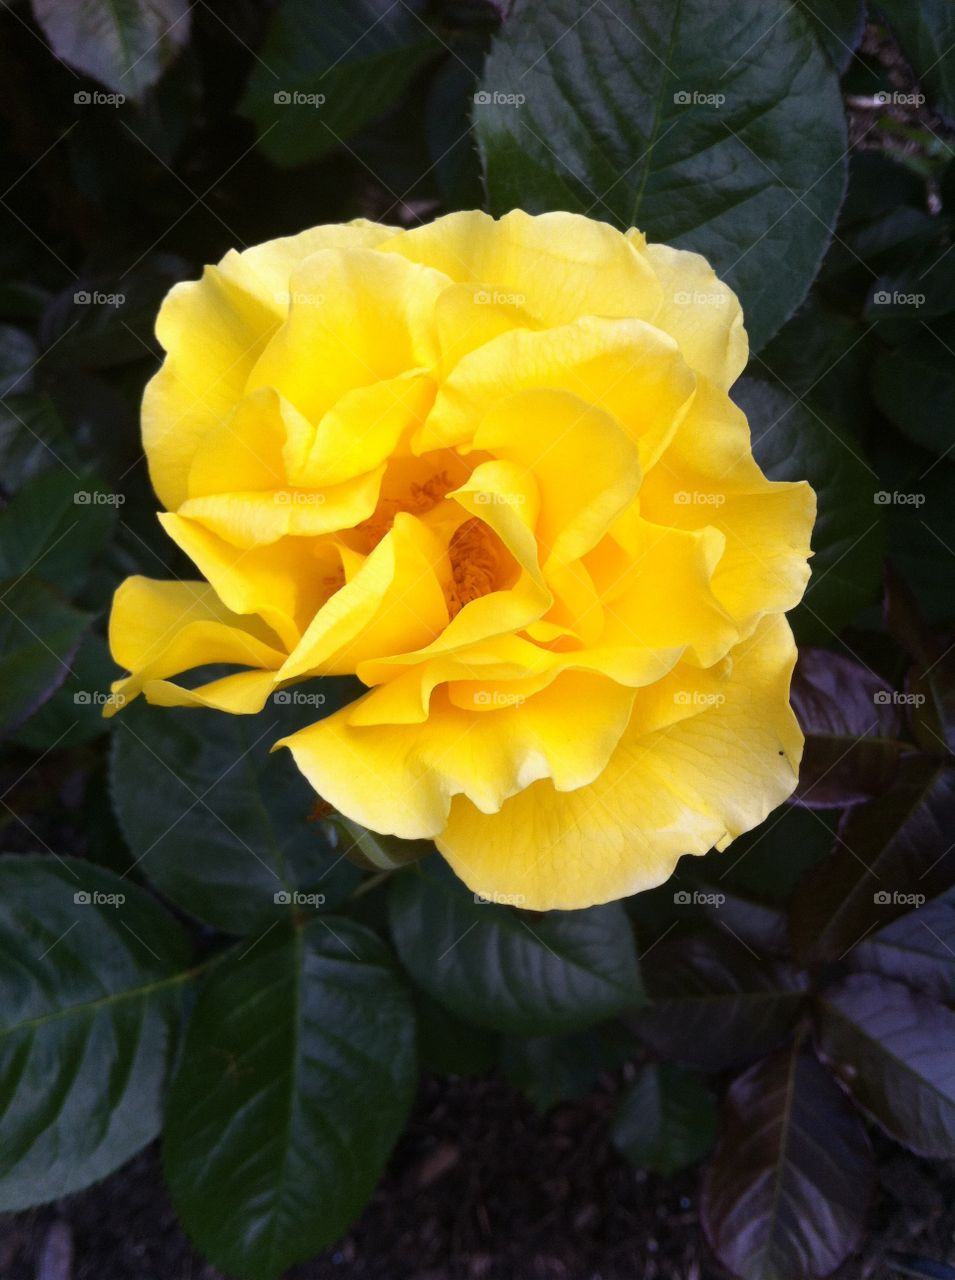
(372,850)
(716,1003)
(125,44)
(90,1001)
(18,354)
(918,949)
(853,725)
(769,861)
(222,826)
(890,855)
(839,25)
(39,635)
(326,71)
(32,439)
(450,1046)
(893,1049)
(786,1194)
(295,1080)
(666,1120)
(713,125)
(914,386)
(926,32)
(74,713)
(792,442)
(553,1069)
(54,526)
(932,679)
(514,973)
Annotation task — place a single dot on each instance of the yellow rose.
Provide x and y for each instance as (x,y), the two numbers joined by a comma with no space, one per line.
(492,469)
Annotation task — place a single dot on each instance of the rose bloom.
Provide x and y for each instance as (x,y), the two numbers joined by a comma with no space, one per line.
(490,468)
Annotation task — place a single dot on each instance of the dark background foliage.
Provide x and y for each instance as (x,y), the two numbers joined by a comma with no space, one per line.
(748,1071)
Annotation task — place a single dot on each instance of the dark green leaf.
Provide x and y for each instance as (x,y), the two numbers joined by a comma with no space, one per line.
(769,861)
(786,1194)
(295,1080)
(914,386)
(890,856)
(450,1046)
(370,849)
(18,354)
(326,72)
(893,1048)
(792,442)
(219,824)
(918,949)
(32,439)
(666,1120)
(553,1069)
(74,713)
(714,1003)
(839,25)
(926,32)
(90,994)
(39,635)
(125,44)
(853,725)
(54,527)
(713,126)
(508,971)
(932,680)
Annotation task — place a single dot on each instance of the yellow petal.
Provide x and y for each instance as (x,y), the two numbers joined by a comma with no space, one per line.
(683,789)
(701,312)
(556,266)
(586,466)
(355,318)
(400,778)
(243,694)
(159,629)
(625,367)
(395,602)
(213,331)
(708,477)
(284,583)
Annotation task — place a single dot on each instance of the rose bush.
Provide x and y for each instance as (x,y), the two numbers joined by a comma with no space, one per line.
(491,468)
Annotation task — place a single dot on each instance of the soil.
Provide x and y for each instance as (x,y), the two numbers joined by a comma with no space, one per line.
(480,1188)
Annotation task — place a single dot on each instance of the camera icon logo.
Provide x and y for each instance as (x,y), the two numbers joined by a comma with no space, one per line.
(682,898)
(482,98)
(82,298)
(882,499)
(82,898)
(82,98)
(881,899)
(681,98)
(282,899)
(282,98)
(283,697)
